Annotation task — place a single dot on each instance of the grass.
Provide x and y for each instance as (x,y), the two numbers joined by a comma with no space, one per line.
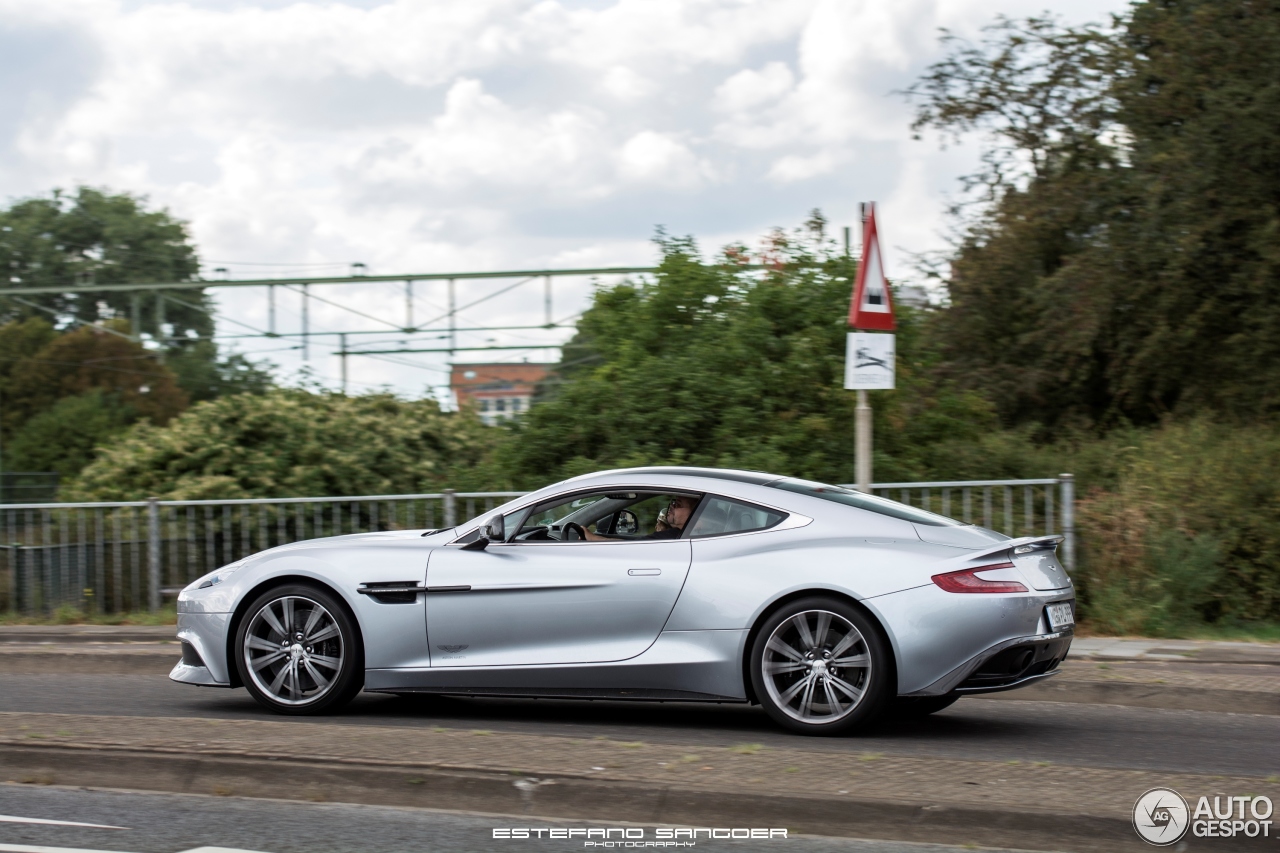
(67,615)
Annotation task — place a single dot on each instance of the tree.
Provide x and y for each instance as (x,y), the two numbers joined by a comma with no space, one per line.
(88,359)
(713,365)
(291,443)
(203,375)
(94,236)
(1131,270)
(64,437)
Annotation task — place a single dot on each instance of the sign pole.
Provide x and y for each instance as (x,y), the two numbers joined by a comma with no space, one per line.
(870,353)
(862,442)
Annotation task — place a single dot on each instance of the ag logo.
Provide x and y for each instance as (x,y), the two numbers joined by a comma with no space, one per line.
(1161,816)
(452,650)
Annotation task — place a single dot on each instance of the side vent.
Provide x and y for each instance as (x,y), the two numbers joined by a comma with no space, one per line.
(190,656)
(392,592)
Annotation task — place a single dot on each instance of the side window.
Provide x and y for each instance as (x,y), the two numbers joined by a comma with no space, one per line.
(722,516)
(610,515)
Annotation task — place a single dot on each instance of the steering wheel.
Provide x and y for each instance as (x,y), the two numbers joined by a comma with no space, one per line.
(572,532)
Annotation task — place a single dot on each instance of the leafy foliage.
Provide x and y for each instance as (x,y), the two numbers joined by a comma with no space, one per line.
(710,365)
(94,236)
(77,362)
(204,375)
(1189,532)
(63,438)
(1132,270)
(289,443)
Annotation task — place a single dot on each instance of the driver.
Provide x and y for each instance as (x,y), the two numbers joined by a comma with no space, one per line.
(671,521)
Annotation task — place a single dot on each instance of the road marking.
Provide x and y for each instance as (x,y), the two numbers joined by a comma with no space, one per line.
(4,818)
(35,848)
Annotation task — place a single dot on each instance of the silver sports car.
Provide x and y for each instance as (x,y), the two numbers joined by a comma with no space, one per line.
(826,606)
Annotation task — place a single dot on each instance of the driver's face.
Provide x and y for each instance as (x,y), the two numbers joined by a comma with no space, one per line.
(678,511)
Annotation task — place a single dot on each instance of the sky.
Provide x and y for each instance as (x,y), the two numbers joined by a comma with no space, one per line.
(414,136)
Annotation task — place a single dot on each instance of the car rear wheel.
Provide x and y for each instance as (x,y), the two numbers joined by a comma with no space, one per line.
(821,667)
(298,651)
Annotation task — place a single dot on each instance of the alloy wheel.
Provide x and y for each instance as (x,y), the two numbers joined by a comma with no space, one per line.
(293,650)
(816,667)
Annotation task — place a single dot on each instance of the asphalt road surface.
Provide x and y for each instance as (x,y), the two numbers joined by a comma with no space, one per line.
(974,729)
(168,823)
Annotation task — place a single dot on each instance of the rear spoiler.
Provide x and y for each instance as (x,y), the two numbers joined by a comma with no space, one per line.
(1030,543)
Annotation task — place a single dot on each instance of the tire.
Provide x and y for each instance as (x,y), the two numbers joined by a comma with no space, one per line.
(916,707)
(317,668)
(821,667)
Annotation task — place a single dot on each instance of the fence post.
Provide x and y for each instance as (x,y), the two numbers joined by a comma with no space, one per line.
(1067,484)
(153,554)
(450,508)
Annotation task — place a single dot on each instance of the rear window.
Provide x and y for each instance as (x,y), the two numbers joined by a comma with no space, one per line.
(871,503)
(721,517)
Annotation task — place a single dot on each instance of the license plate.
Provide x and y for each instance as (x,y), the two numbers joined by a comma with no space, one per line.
(1060,615)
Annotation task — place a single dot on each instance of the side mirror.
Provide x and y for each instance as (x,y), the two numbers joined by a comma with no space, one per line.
(492,530)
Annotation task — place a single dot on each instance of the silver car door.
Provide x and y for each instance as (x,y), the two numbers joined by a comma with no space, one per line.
(549,602)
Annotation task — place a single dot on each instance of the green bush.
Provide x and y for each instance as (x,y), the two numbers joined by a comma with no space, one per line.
(1188,534)
(291,443)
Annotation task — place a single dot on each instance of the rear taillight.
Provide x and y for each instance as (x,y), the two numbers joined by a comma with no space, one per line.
(967,580)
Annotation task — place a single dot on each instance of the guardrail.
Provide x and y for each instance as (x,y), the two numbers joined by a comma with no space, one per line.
(127,555)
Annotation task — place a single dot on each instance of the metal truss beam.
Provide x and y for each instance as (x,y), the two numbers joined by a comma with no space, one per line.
(305,280)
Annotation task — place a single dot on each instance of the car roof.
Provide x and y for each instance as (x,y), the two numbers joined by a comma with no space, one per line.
(756,478)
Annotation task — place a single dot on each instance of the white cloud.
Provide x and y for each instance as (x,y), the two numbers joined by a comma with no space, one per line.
(487,134)
(652,158)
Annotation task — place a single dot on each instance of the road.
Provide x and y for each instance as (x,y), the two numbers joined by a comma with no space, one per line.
(974,729)
(168,823)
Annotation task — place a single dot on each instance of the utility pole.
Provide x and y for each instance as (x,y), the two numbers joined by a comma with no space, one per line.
(271,310)
(547,279)
(342,352)
(453,324)
(306,326)
(408,306)
(135,306)
(160,337)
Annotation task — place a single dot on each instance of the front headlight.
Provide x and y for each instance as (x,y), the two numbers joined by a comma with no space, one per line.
(215,578)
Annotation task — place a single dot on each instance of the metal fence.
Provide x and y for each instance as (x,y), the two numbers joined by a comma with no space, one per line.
(1013,507)
(112,557)
(118,556)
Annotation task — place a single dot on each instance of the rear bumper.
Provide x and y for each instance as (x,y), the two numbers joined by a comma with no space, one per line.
(1005,666)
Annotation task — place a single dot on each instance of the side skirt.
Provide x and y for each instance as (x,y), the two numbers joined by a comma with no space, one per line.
(617,694)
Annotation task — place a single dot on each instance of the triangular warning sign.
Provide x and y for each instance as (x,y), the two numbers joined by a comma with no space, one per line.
(872,305)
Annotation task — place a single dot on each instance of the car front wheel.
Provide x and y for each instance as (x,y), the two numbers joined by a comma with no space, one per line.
(298,651)
(820,667)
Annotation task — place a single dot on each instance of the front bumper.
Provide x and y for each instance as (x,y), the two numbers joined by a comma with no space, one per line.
(1005,666)
(204,655)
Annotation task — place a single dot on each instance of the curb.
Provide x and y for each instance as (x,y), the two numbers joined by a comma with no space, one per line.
(564,798)
(139,662)
(1138,695)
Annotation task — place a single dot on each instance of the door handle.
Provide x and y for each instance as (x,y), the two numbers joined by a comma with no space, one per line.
(639,572)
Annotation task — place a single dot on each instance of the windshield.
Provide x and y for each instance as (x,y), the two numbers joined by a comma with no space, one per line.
(871,503)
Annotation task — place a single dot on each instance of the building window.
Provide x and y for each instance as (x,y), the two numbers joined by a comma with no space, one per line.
(500,404)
